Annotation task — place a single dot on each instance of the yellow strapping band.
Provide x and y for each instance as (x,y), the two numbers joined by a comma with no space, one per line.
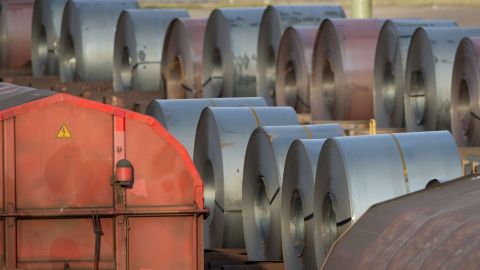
(404,165)
(257,119)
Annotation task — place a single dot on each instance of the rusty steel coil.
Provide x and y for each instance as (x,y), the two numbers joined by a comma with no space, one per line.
(230,52)
(47,19)
(389,69)
(137,53)
(297,204)
(342,75)
(275,20)
(220,146)
(262,184)
(182,58)
(354,173)
(294,67)
(465,98)
(15,36)
(436,228)
(180,116)
(87,39)
(428,76)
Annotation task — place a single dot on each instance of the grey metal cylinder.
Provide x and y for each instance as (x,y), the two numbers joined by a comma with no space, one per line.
(220,146)
(465,96)
(356,172)
(230,52)
(294,67)
(297,204)
(87,39)
(180,116)
(47,19)
(182,58)
(342,75)
(389,69)
(275,20)
(262,184)
(428,76)
(137,53)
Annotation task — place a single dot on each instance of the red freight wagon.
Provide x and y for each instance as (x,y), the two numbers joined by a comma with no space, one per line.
(87,185)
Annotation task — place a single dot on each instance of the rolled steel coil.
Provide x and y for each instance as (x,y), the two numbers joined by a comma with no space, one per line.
(465,98)
(389,68)
(297,204)
(428,76)
(15,35)
(47,19)
(354,173)
(342,75)
(262,184)
(230,52)
(87,39)
(182,58)
(220,146)
(294,68)
(137,53)
(180,116)
(275,20)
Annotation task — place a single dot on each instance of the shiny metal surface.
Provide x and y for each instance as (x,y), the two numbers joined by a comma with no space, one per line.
(437,228)
(47,19)
(428,76)
(262,184)
(356,172)
(15,33)
(342,75)
(180,116)
(275,20)
(294,67)
(297,204)
(389,69)
(220,146)
(87,39)
(230,52)
(137,53)
(182,58)
(465,95)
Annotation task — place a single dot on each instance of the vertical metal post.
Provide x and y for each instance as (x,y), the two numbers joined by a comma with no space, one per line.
(361,9)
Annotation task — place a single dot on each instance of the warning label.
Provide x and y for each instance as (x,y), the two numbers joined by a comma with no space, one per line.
(64,132)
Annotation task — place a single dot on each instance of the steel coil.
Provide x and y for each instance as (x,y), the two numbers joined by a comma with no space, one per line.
(47,19)
(182,58)
(275,20)
(230,52)
(87,38)
(465,109)
(297,204)
(15,35)
(294,68)
(428,76)
(389,68)
(262,184)
(342,75)
(137,53)
(354,173)
(180,116)
(220,146)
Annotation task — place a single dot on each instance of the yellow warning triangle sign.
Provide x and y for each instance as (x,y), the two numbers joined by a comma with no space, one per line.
(64,132)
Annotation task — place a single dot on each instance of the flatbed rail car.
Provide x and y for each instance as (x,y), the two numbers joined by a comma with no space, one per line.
(91,186)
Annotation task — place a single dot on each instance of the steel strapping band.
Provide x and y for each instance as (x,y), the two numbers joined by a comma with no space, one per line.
(404,165)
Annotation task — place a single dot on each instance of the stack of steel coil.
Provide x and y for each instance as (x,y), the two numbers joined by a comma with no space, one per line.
(137,53)
(220,146)
(275,20)
(262,184)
